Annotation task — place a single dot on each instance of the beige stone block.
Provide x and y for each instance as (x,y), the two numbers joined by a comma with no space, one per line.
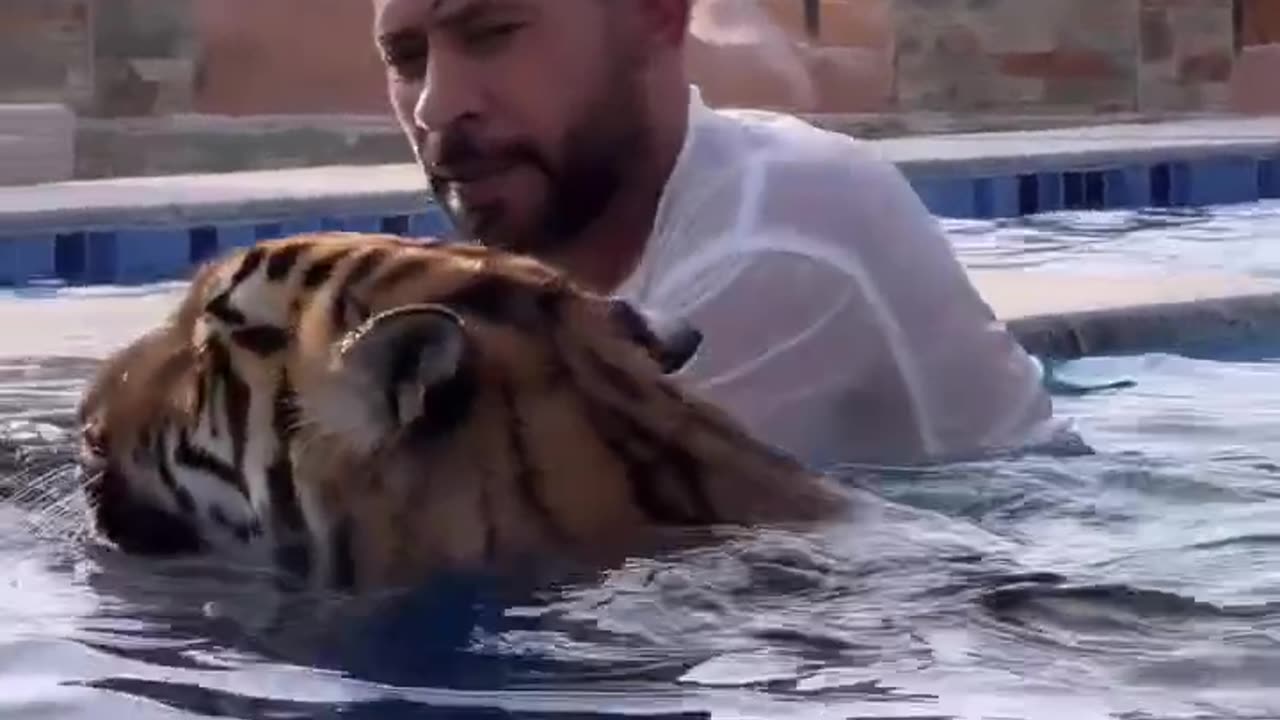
(1021,91)
(1254,87)
(37,143)
(1106,26)
(1017,27)
(850,79)
(1202,28)
(1215,97)
(857,23)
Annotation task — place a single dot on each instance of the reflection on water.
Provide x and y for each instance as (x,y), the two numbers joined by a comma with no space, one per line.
(1139,581)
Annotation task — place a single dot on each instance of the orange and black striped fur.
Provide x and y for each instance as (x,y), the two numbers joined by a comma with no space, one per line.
(362,410)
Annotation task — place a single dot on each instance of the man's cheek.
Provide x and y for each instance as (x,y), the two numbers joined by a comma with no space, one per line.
(404,98)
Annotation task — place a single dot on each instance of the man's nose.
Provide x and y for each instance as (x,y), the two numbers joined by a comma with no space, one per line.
(448,93)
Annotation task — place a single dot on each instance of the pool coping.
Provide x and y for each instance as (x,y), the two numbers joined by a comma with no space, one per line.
(984,174)
(1172,326)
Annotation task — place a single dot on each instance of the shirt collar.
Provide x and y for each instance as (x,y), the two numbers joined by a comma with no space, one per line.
(697,114)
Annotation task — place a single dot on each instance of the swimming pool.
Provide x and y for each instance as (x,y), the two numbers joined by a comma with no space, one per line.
(1142,580)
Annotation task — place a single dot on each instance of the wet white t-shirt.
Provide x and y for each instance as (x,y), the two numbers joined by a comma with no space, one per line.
(838,323)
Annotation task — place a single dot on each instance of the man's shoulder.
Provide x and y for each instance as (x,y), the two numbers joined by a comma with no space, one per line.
(788,137)
(777,150)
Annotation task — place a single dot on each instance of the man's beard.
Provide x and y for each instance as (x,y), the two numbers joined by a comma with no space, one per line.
(594,158)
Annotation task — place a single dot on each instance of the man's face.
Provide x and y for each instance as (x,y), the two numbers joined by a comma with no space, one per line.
(524,113)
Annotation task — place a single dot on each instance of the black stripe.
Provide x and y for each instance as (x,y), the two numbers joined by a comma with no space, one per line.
(261,340)
(615,377)
(203,408)
(342,558)
(343,297)
(486,296)
(369,262)
(285,407)
(527,476)
(248,264)
(181,495)
(728,433)
(235,398)
(220,307)
(688,471)
(504,301)
(280,481)
(200,459)
(282,260)
(322,269)
(404,268)
(293,549)
(293,552)
(626,438)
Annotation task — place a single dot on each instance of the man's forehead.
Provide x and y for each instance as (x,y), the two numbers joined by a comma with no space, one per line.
(418,12)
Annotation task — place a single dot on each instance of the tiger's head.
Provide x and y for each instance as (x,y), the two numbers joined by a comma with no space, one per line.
(358,408)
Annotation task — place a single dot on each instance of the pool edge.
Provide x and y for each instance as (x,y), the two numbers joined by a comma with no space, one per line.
(1166,326)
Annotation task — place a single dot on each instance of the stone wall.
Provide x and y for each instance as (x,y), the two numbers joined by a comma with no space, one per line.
(1085,55)
(1187,50)
(99,57)
(46,52)
(956,54)
(288,56)
(116,58)
(130,58)
(145,55)
(137,71)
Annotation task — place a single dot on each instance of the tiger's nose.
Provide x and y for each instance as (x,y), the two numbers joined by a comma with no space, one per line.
(93,444)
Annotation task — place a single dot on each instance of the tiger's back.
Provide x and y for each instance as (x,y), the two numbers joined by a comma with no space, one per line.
(363,409)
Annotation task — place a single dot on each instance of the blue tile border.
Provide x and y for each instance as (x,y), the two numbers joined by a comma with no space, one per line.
(141,255)
(1219,180)
(122,255)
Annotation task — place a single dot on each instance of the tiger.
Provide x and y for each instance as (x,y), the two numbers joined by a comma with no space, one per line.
(359,410)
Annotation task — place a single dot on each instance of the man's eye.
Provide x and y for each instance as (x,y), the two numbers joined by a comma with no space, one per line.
(408,63)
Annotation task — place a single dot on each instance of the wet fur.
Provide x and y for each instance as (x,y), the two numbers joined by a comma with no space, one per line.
(241,425)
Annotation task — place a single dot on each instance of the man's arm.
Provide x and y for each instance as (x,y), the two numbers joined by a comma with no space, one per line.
(840,325)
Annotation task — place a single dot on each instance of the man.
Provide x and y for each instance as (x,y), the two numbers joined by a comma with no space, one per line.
(837,322)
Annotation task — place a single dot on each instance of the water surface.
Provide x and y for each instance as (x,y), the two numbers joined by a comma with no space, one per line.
(1142,580)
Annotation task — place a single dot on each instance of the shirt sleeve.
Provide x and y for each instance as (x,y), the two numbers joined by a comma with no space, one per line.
(839,324)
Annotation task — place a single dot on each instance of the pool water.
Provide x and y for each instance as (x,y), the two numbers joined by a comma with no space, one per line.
(1142,580)
(1225,238)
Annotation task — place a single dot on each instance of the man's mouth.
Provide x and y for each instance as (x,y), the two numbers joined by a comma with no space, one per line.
(473,185)
(470,172)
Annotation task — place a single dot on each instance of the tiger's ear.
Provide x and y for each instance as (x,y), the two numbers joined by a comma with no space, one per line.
(405,355)
(671,341)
